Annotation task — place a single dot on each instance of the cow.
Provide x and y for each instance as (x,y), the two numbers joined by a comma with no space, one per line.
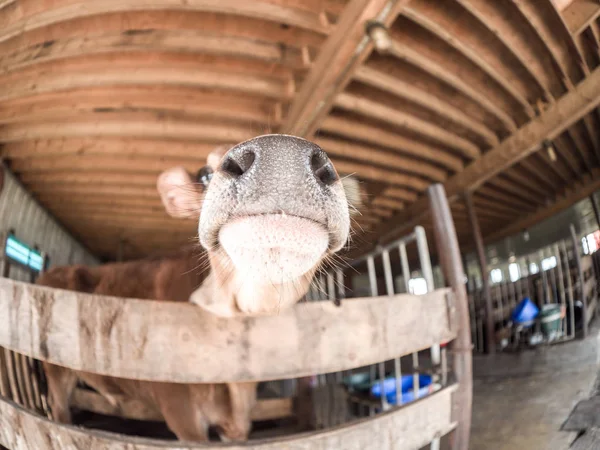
(275,209)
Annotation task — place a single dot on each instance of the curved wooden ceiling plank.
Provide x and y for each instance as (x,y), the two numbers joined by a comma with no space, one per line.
(515,190)
(126,125)
(384,113)
(234,82)
(101,200)
(402,194)
(404,90)
(532,170)
(554,37)
(95,177)
(456,43)
(366,133)
(388,202)
(513,175)
(368,155)
(376,174)
(86,189)
(33,14)
(558,167)
(592,128)
(176,41)
(405,53)
(575,135)
(486,197)
(569,154)
(176,100)
(172,20)
(500,25)
(508,199)
(480,40)
(110,147)
(126,164)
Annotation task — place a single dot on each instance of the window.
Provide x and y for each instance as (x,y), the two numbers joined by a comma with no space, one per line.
(417,286)
(586,248)
(549,263)
(21,253)
(496,275)
(533,268)
(514,272)
(591,242)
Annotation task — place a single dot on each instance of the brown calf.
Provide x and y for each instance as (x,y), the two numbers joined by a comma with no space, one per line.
(274,211)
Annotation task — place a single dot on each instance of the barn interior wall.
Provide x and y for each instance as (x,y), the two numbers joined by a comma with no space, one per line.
(34,226)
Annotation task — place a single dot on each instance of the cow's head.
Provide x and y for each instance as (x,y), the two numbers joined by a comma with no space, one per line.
(274,210)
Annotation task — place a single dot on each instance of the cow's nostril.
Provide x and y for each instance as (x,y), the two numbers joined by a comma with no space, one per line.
(238,165)
(323,169)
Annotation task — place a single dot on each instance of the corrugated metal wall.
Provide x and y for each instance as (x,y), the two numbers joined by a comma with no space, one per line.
(34,226)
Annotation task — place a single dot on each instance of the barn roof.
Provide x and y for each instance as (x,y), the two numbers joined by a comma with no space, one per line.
(495,98)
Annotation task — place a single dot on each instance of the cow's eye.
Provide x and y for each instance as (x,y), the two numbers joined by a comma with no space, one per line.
(204,176)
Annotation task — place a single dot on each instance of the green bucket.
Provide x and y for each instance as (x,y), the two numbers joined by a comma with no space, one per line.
(550,317)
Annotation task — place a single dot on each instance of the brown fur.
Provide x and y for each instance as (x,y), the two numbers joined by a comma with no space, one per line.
(188,409)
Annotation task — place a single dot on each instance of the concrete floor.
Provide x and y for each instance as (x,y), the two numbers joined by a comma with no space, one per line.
(521,400)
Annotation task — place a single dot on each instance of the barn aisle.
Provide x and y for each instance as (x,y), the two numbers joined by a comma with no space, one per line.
(521,400)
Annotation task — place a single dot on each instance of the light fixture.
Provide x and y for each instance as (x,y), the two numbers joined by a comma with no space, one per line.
(380,36)
(550,149)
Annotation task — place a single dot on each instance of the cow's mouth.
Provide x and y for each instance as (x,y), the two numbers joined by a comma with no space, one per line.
(274,248)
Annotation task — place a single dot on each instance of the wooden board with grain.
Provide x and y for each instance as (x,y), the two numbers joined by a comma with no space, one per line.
(408,427)
(159,341)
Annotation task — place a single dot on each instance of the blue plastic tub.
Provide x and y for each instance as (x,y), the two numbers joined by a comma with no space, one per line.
(408,393)
(525,312)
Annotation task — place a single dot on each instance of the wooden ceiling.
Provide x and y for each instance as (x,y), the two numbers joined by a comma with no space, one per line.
(98,97)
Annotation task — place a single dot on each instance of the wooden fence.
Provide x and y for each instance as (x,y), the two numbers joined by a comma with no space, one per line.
(173,342)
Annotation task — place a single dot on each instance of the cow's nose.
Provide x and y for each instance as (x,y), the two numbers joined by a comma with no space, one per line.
(239,161)
(236,164)
(322,168)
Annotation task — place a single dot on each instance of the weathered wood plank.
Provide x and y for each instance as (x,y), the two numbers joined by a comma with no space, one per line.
(267,409)
(409,427)
(159,341)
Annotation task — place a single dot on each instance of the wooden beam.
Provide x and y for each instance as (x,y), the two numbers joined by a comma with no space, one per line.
(478,240)
(576,193)
(580,14)
(398,325)
(411,427)
(345,50)
(581,280)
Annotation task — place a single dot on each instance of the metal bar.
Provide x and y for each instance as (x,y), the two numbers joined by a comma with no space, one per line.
(405,268)
(407,239)
(489,307)
(451,263)
(570,292)
(389,283)
(381,365)
(581,289)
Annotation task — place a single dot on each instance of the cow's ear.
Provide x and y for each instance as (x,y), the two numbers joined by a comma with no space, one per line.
(180,195)
(353,193)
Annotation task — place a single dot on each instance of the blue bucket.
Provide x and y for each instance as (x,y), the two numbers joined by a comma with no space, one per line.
(525,312)
(408,393)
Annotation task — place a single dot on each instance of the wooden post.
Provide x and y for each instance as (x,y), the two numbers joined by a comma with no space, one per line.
(490,347)
(461,347)
(596,208)
(581,290)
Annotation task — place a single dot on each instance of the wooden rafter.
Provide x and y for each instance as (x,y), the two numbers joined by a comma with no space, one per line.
(577,192)
(345,49)
(566,111)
